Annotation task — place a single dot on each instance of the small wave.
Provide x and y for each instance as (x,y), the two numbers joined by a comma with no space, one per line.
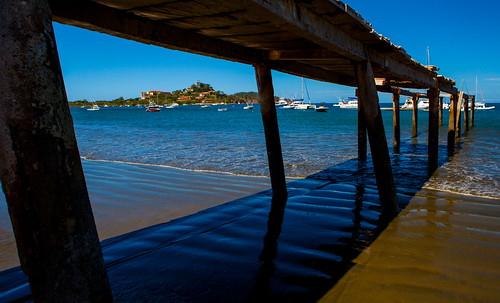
(476,195)
(180,168)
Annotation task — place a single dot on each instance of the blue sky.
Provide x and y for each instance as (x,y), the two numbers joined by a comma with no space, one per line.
(463,36)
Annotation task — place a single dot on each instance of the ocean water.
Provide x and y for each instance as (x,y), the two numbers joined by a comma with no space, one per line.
(204,139)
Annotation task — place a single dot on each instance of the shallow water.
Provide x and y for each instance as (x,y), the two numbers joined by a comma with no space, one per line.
(195,138)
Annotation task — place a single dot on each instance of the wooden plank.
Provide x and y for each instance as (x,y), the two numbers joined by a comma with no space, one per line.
(300,20)
(362,142)
(452,124)
(414,118)
(433,138)
(104,19)
(307,54)
(40,166)
(271,131)
(370,109)
(396,130)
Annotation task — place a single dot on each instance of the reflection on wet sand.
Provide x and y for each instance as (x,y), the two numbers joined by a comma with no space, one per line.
(442,248)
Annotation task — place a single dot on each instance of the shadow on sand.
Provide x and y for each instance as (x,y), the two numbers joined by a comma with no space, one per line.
(254,249)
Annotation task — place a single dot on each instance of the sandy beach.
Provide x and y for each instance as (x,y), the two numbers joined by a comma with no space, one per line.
(126,197)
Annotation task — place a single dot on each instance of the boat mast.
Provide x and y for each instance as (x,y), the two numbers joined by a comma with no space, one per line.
(428,56)
(302,89)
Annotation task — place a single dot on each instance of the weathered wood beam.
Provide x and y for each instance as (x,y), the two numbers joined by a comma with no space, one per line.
(396,129)
(271,131)
(310,54)
(472,110)
(414,117)
(433,138)
(459,120)
(466,113)
(370,109)
(40,166)
(297,18)
(452,124)
(362,142)
(101,18)
(392,90)
(441,103)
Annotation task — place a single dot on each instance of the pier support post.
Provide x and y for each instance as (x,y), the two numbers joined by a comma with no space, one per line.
(396,131)
(414,118)
(441,103)
(40,165)
(472,110)
(433,138)
(362,144)
(370,110)
(271,131)
(466,113)
(452,122)
(458,127)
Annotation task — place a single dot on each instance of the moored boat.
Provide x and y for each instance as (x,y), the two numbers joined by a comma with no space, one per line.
(94,108)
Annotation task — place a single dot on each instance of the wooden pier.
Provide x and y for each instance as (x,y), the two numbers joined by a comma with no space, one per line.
(321,39)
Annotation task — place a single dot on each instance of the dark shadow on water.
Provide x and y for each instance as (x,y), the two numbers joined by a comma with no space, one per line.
(255,249)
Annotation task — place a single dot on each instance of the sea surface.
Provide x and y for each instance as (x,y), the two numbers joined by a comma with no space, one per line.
(204,139)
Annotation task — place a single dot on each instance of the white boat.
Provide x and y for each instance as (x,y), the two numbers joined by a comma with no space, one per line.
(423,104)
(289,106)
(173,105)
(480,106)
(94,108)
(153,107)
(204,106)
(223,109)
(248,106)
(408,105)
(281,102)
(351,103)
(322,109)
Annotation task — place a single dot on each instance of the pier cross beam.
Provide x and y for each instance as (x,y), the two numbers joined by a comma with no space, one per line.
(396,132)
(40,165)
(414,117)
(370,110)
(362,143)
(433,137)
(271,131)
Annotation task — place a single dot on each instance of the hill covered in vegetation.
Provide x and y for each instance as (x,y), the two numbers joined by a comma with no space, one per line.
(197,93)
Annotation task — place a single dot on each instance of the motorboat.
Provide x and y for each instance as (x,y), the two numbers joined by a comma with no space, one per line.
(94,108)
(350,103)
(408,105)
(322,108)
(423,104)
(480,106)
(173,105)
(153,107)
(204,106)
(248,106)
(281,102)
(223,109)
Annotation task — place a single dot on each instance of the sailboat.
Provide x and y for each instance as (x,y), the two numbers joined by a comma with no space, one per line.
(299,103)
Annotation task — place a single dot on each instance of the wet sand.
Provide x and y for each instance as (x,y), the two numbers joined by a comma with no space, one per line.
(128,197)
(443,247)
